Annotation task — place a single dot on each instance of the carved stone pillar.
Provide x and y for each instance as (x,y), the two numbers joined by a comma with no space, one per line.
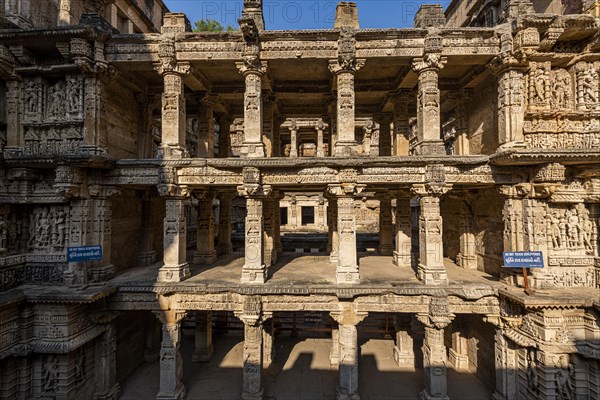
(334,354)
(320,127)
(434,350)
(385,136)
(105,368)
(333,245)
(431,268)
(428,105)
(171,363)
(14,130)
(204,349)
(268,339)
(268,123)
(462,135)
(467,258)
(348,352)
(403,349)
(147,253)
(458,353)
(224,245)
(206,127)
(293,139)
(254,269)
(511,101)
(253,145)
(401,126)
(402,253)
(506,368)
(344,69)
(175,268)
(224,136)
(102,270)
(205,237)
(269,231)
(386,246)
(253,348)
(173,129)
(347,268)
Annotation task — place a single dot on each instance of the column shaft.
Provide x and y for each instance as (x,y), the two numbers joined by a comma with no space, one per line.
(347,269)
(171,363)
(206,130)
(254,269)
(175,266)
(346,141)
(293,143)
(205,239)
(147,254)
(348,363)
(173,116)
(434,364)
(268,232)
(402,253)
(203,342)
(253,359)
(431,250)
(224,245)
(386,246)
(333,235)
(253,145)
(403,350)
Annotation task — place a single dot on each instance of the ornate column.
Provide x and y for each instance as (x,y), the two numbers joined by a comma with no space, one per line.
(293,139)
(171,363)
(347,318)
(400,101)
(385,135)
(320,127)
(224,136)
(252,318)
(511,99)
(467,258)
(402,252)
(268,339)
(205,237)
(347,268)
(253,69)
(334,354)
(458,352)
(254,269)
(173,129)
(175,268)
(434,350)
(403,349)
(428,105)
(102,270)
(344,69)
(203,343)
(333,244)
(269,231)
(386,246)
(462,115)
(268,100)
(431,268)
(206,126)
(224,245)
(105,367)
(506,365)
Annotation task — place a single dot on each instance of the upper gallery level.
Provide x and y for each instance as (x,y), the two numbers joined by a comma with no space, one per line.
(431,90)
(127,16)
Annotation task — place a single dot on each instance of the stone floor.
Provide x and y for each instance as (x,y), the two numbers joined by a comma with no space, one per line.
(300,371)
(315,269)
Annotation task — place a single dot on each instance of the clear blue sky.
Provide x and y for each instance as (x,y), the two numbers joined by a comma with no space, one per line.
(304,14)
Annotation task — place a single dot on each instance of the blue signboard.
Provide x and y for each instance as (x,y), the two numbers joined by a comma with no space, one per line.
(523,259)
(84,253)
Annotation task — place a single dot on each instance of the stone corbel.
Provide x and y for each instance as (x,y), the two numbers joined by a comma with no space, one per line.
(252,313)
(170,317)
(336,68)
(348,315)
(429,61)
(431,189)
(103,191)
(254,190)
(345,189)
(550,38)
(176,191)
(252,66)
(519,191)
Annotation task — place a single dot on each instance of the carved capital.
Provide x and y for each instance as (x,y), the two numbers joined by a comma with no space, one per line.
(345,189)
(348,315)
(430,61)
(176,191)
(254,190)
(252,65)
(431,189)
(170,317)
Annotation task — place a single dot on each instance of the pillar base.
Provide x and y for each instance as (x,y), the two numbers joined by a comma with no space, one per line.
(432,275)
(252,396)
(204,355)
(178,394)
(205,258)
(256,276)
(346,149)
(174,273)
(466,262)
(401,260)
(147,258)
(253,150)
(347,276)
(113,394)
(386,250)
(172,151)
(430,148)
(460,361)
(424,395)
(404,359)
(345,396)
